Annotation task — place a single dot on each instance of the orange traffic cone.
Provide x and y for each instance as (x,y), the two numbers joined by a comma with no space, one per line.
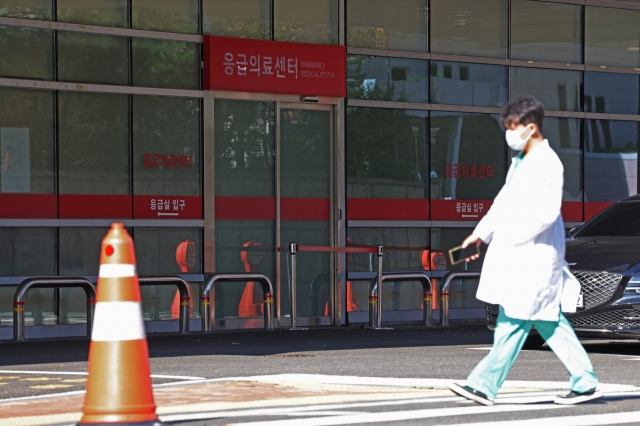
(119,382)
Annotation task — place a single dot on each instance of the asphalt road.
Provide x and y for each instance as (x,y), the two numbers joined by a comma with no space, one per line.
(408,352)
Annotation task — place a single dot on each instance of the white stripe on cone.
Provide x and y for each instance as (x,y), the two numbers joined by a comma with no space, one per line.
(118,321)
(117,270)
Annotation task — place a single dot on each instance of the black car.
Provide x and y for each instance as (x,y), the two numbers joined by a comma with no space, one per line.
(604,254)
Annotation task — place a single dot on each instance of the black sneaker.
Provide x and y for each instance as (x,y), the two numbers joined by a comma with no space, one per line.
(470,393)
(577,398)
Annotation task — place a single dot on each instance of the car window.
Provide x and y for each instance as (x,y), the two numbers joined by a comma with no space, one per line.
(620,220)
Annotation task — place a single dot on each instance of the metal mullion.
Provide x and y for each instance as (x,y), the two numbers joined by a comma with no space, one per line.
(278,216)
(273,20)
(342,23)
(334,285)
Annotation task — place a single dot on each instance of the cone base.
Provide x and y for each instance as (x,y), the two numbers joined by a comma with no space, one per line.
(101,422)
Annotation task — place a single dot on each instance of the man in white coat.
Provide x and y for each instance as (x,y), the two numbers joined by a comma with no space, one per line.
(522,271)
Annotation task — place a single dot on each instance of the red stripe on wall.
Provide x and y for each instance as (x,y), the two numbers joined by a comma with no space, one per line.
(245,208)
(572,211)
(28,206)
(593,208)
(387,209)
(264,208)
(96,206)
(305,209)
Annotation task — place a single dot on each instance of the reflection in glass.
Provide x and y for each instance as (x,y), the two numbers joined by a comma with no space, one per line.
(469,27)
(387,153)
(611,159)
(468,156)
(543,31)
(388,24)
(387,79)
(26,53)
(176,16)
(244,167)
(611,93)
(27,141)
(612,37)
(108,13)
(564,137)
(6,306)
(27,252)
(28,9)
(305,142)
(306,21)
(91,58)
(94,144)
(558,90)
(400,296)
(245,149)
(237,18)
(456,83)
(462,293)
(166,64)
(166,126)
(157,253)
(84,259)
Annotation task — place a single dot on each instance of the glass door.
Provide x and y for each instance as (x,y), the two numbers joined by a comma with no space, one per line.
(305,190)
(273,186)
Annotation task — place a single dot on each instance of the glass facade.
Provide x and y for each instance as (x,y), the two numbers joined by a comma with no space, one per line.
(26,53)
(388,24)
(543,31)
(387,79)
(469,27)
(92,117)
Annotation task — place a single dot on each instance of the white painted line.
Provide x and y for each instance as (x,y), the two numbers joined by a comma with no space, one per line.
(280,410)
(162,376)
(417,383)
(479,349)
(397,416)
(82,373)
(588,420)
(68,373)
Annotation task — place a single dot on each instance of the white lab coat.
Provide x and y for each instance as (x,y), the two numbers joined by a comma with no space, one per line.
(522,269)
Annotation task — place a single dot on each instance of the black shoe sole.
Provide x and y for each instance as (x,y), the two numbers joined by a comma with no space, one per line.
(455,388)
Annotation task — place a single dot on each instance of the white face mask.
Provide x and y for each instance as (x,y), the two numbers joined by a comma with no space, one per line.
(514,139)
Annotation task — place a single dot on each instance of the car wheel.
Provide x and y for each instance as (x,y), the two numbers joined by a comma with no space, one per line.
(534,341)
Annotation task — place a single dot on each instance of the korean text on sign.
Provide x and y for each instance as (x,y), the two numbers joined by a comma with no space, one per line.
(168,161)
(467,207)
(278,66)
(167,205)
(471,171)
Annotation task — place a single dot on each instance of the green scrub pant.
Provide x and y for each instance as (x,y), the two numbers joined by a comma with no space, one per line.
(510,334)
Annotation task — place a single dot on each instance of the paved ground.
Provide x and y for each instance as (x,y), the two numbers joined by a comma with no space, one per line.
(425,361)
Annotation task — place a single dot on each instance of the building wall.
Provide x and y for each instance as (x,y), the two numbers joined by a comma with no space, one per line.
(101,117)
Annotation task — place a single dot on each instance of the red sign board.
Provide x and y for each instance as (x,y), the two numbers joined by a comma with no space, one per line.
(245,65)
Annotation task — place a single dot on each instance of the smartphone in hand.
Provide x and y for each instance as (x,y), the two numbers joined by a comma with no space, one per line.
(459,254)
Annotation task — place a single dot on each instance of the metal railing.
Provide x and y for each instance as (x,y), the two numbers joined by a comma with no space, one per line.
(293,272)
(49,282)
(185,296)
(207,303)
(444,292)
(375,295)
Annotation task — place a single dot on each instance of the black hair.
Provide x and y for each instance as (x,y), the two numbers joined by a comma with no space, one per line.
(525,109)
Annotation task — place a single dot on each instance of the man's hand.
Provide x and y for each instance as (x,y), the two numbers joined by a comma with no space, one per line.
(472,239)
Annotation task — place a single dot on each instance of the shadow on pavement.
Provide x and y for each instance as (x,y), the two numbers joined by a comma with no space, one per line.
(253,343)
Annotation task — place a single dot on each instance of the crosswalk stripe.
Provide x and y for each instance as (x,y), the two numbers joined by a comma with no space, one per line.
(396,416)
(588,420)
(293,410)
